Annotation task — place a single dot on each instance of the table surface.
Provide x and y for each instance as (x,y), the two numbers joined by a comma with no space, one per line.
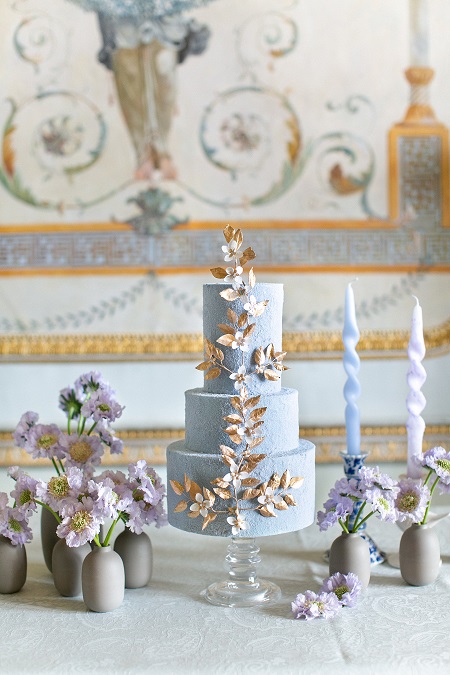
(167,627)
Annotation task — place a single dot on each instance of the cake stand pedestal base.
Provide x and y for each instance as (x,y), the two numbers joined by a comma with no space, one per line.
(242,588)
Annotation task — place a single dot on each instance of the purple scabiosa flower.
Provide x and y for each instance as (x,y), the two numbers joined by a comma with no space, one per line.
(346,587)
(107,501)
(336,509)
(62,491)
(3,502)
(24,492)
(14,526)
(20,435)
(373,478)
(44,441)
(411,500)
(383,504)
(109,438)
(438,459)
(80,524)
(310,605)
(83,451)
(89,382)
(102,406)
(70,403)
(345,487)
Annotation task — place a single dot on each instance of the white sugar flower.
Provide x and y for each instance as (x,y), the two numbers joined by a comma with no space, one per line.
(240,378)
(240,342)
(235,476)
(251,306)
(231,251)
(247,430)
(238,523)
(269,499)
(234,277)
(201,505)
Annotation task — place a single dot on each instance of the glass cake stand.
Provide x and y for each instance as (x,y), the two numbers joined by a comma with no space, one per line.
(242,588)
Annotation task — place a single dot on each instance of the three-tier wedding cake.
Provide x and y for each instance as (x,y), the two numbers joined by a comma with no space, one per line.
(242,469)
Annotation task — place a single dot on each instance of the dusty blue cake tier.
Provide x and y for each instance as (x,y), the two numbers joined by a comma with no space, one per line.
(268,330)
(205,424)
(203,468)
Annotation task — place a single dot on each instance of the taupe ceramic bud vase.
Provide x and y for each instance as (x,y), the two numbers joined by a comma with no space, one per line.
(66,567)
(103,579)
(137,556)
(13,566)
(420,555)
(48,535)
(350,553)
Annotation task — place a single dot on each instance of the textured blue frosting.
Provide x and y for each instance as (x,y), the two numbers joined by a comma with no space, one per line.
(203,468)
(268,330)
(205,424)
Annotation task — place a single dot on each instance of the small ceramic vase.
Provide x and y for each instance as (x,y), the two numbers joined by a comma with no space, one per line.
(419,555)
(48,535)
(137,556)
(66,567)
(13,566)
(350,553)
(103,579)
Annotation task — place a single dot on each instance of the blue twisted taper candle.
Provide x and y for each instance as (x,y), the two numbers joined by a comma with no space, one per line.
(415,401)
(352,389)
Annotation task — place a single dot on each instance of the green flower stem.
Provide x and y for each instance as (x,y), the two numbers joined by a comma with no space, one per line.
(433,487)
(92,429)
(97,540)
(56,466)
(69,420)
(110,531)
(428,476)
(49,508)
(62,466)
(344,526)
(358,515)
(361,523)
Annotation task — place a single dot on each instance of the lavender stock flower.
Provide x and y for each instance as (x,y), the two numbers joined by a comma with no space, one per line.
(346,588)
(313,606)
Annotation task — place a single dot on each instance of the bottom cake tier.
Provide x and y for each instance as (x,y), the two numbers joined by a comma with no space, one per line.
(202,469)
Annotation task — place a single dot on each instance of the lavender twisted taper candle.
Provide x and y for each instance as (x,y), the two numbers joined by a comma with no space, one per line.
(352,389)
(415,401)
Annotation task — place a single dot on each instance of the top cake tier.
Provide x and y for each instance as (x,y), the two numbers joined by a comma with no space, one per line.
(268,330)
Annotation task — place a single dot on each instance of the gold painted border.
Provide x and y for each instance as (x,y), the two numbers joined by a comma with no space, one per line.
(188,346)
(383,443)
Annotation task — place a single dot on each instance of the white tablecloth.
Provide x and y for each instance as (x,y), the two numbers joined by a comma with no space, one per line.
(168,628)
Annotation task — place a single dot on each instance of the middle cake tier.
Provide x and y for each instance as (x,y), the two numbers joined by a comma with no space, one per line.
(205,424)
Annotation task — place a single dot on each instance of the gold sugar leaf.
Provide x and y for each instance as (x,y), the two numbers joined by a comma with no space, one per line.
(255,442)
(177,487)
(218,353)
(250,494)
(285,479)
(194,490)
(226,329)
(259,356)
(247,255)
(270,352)
(238,237)
(296,482)
(252,462)
(187,483)
(228,233)
(229,294)
(236,439)
(257,413)
(212,374)
(258,424)
(264,511)
(251,402)
(289,499)
(208,519)
(271,375)
(250,482)
(232,316)
(226,340)
(209,347)
(260,308)
(236,403)
(227,460)
(251,278)
(249,330)
(193,514)
(218,272)
(281,506)
(203,366)
(274,482)
(243,318)
(280,355)
(233,419)
(263,487)
(223,494)
(231,430)
(220,482)
(181,506)
(225,450)
(209,495)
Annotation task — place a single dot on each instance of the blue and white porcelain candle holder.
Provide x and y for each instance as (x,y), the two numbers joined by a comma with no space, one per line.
(352,464)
